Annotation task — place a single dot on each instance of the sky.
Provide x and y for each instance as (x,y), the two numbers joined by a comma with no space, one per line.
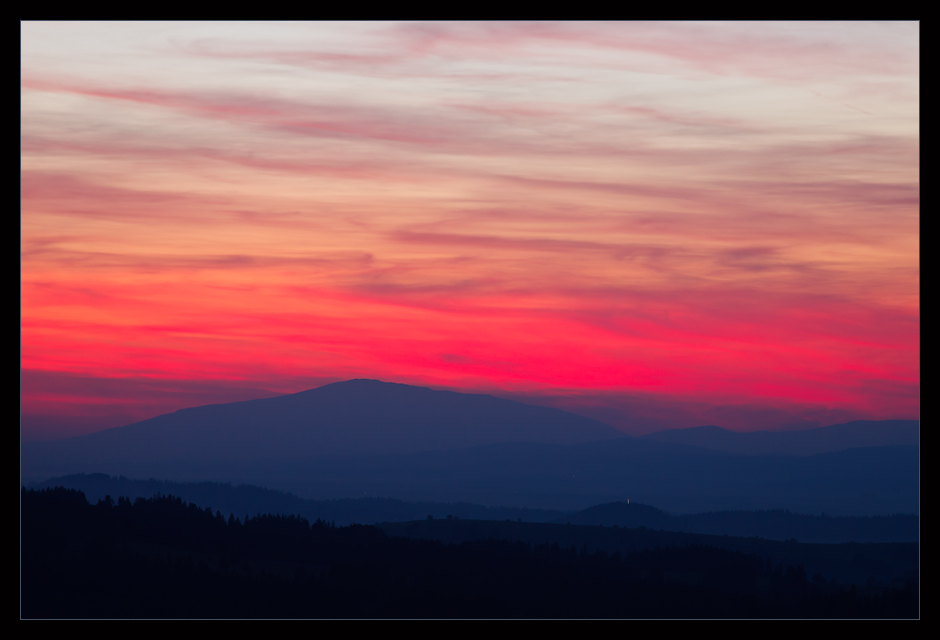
(655,224)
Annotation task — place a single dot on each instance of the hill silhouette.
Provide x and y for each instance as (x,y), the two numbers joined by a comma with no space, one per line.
(356,417)
(859,482)
(622,514)
(250,499)
(837,437)
(239,500)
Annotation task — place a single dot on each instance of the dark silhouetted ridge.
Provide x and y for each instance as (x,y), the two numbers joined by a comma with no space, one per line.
(773,524)
(622,514)
(164,558)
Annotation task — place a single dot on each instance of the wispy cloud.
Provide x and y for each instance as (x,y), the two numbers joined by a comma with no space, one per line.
(704,214)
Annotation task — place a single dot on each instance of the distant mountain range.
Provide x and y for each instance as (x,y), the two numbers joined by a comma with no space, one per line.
(368,438)
(837,437)
(246,500)
(866,481)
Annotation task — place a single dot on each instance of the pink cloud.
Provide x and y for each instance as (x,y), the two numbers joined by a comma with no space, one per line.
(565,210)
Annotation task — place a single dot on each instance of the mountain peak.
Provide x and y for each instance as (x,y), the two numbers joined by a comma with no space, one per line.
(353,417)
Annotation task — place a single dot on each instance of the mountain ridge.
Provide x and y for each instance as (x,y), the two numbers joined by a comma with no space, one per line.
(355,417)
(366,437)
(836,437)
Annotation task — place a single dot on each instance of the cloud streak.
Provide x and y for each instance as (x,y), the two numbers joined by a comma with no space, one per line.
(714,215)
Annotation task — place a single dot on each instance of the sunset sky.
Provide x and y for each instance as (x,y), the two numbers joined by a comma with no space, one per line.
(655,224)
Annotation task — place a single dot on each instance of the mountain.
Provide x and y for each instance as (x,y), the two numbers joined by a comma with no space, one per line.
(863,481)
(837,437)
(356,417)
(251,500)
(676,478)
(365,438)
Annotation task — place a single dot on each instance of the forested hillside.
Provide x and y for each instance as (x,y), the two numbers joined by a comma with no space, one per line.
(160,557)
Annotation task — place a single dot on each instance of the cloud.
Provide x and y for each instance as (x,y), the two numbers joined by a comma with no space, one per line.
(710,215)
